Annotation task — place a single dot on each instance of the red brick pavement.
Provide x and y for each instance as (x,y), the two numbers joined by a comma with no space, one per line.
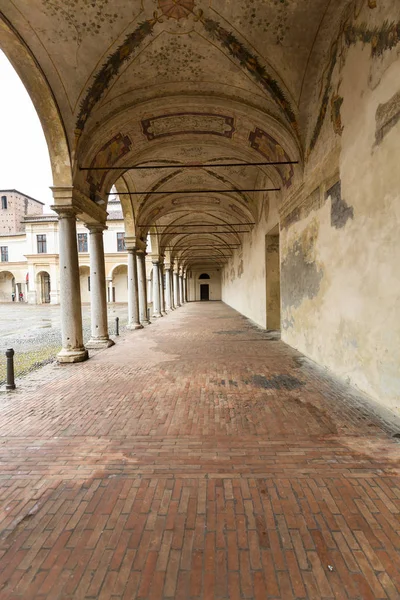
(196,459)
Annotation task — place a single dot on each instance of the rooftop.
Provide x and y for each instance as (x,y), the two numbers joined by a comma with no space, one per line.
(21,194)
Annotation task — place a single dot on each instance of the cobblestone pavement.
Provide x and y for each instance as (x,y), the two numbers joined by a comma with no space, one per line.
(34,331)
(197,458)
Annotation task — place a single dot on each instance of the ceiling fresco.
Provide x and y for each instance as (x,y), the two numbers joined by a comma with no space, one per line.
(173,82)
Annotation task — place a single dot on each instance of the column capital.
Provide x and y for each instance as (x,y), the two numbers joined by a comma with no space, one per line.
(96,227)
(132,242)
(87,209)
(65,212)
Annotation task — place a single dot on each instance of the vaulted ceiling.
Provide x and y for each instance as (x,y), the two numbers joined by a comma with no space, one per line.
(156,82)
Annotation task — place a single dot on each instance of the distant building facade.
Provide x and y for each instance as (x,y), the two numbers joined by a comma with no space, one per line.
(14,207)
(29,259)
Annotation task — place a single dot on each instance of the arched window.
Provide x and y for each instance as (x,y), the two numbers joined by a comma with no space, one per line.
(4,202)
(204,276)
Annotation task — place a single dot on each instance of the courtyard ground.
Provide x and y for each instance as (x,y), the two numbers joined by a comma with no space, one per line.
(34,332)
(199,458)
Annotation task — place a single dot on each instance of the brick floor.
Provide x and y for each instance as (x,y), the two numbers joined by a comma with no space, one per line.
(198,458)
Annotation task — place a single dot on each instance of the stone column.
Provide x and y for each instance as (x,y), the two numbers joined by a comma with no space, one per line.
(141,267)
(156,290)
(98,292)
(168,299)
(176,290)
(171,283)
(110,289)
(133,291)
(73,349)
(181,300)
(162,295)
(185,294)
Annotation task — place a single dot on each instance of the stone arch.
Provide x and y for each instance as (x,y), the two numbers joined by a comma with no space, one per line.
(119,278)
(43,100)
(43,286)
(7,286)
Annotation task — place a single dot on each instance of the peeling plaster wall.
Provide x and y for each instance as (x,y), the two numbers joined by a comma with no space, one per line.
(339,238)
(340,262)
(243,279)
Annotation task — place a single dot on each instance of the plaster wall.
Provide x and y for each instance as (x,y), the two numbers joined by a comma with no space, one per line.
(84,274)
(16,248)
(214,282)
(110,237)
(340,262)
(50,230)
(120,283)
(244,279)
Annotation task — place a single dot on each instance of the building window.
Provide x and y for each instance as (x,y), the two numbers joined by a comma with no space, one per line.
(41,244)
(82,242)
(121,242)
(88,283)
(4,202)
(4,253)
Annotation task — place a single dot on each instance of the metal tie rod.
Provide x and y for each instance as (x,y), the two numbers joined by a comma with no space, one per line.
(148,193)
(196,225)
(193,165)
(200,232)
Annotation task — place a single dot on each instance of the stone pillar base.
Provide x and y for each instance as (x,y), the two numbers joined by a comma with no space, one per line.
(72,356)
(157,316)
(32,299)
(134,326)
(98,343)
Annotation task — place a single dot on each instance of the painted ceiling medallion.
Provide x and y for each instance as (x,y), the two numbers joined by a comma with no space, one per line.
(176,9)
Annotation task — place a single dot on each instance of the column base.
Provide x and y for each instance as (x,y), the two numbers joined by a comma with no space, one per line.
(157,316)
(72,356)
(99,343)
(134,326)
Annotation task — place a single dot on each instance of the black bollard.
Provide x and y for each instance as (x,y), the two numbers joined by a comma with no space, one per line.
(10,384)
(116,325)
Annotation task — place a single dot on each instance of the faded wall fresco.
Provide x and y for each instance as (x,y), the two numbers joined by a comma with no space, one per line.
(340,255)
(340,283)
(244,277)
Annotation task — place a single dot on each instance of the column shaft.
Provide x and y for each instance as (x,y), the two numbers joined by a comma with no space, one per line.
(176,290)
(73,349)
(141,265)
(156,291)
(98,291)
(133,292)
(168,300)
(181,300)
(162,296)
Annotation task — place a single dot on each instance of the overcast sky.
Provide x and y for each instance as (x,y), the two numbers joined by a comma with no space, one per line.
(24,158)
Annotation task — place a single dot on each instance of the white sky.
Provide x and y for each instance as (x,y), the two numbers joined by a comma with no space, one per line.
(24,158)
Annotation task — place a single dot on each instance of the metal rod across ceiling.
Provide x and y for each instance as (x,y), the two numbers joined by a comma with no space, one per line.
(178,247)
(193,165)
(196,225)
(196,192)
(199,232)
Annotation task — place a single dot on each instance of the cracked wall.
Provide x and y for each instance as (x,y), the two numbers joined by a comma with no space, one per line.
(340,283)
(339,247)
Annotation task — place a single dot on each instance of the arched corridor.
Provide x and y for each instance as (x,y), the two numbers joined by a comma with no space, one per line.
(204,455)
(198,458)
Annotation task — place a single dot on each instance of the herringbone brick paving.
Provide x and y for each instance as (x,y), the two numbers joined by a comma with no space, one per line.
(198,458)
